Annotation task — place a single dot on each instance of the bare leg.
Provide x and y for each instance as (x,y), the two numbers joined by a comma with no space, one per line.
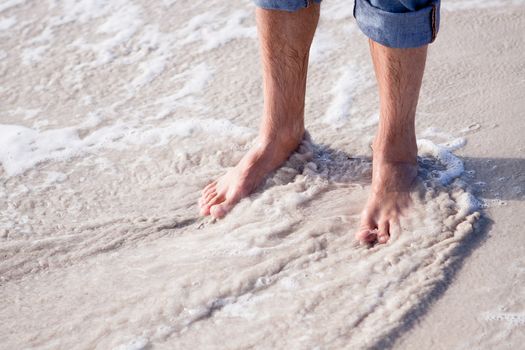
(285,40)
(399,73)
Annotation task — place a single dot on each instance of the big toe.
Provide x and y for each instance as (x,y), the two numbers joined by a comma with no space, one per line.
(218,211)
(367,234)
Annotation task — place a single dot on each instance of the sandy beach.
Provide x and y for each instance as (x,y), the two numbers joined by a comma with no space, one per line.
(115,114)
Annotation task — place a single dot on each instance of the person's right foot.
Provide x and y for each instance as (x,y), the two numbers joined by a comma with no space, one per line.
(219,197)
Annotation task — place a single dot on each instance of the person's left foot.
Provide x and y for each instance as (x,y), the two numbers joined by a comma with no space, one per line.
(388,200)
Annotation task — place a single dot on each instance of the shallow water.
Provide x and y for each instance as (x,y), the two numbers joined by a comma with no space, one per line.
(116,114)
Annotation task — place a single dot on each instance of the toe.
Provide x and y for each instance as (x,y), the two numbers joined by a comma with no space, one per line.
(394,226)
(367,233)
(211,186)
(207,193)
(383,233)
(215,200)
(205,199)
(208,198)
(218,211)
(205,209)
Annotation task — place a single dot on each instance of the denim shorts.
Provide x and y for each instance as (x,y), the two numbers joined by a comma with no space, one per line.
(393,23)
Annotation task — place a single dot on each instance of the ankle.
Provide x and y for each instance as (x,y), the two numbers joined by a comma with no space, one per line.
(285,140)
(395,151)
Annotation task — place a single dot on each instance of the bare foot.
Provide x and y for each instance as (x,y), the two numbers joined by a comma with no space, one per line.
(399,73)
(219,197)
(388,200)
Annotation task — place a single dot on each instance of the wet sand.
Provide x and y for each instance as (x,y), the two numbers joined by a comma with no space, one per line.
(115,115)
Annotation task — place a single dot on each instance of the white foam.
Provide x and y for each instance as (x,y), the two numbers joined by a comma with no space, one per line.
(448,140)
(120,26)
(33,54)
(467,203)
(152,52)
(83,11)
(323,45)
(184,128)
(122,20)
(453,165)
(199,76)
(195,80)
(22,148)
(189,33)
(150,70)
(6,23)
(214,32)
(231,30)
(46,36)
(340,109)
(7,4)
